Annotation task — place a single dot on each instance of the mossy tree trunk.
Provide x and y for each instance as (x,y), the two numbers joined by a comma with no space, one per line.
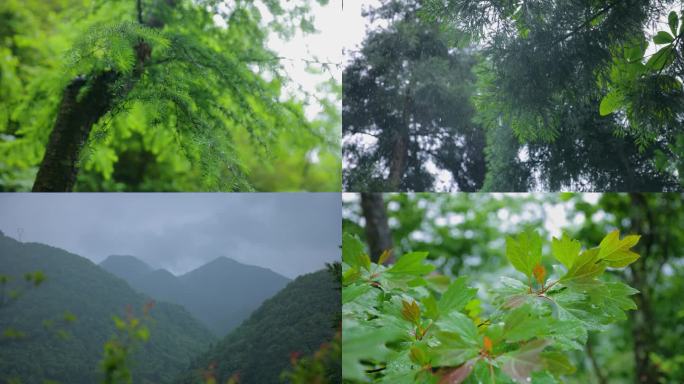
(77,114)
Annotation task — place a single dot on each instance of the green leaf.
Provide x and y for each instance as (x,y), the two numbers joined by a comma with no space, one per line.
(361,343)
(567,334)
(352,292)
(524,252)
(418,354)
(461,325)
(411,264)
(456,296)
(453,350)
(38,278)
(635,51)
(614,299)
(520,364)
(521,324)
(565,250)
(557,363)
(143,334)
(513,293)
(617,252)
(431,309)
(353,252)
(610,103)
(673,21)
(663,37)
(661,59)
(543,377)
(585,269)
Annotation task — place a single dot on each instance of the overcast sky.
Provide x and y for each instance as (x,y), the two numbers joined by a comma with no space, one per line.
(290,233)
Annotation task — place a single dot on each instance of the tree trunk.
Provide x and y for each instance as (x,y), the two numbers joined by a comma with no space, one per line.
(75,119)
(378,234)
(400,146)
(398,161)
(642,320)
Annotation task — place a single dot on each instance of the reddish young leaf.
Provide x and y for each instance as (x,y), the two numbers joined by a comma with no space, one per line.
(488,344)
(411,311)
(539,273)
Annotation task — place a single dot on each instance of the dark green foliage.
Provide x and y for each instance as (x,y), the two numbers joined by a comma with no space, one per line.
(297,320)
(409,91)
(221,294)
(92,297)
(552,71)
(553,95)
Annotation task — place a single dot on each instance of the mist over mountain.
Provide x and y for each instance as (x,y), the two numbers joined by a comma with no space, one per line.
(51,349)
(221,294)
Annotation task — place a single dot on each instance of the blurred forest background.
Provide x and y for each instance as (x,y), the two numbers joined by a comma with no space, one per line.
(163,95)
(464,234)
(514,96)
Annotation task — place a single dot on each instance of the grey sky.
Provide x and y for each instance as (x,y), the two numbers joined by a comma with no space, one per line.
(290,233)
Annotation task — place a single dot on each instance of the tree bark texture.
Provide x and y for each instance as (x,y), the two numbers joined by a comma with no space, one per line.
(75,119)
(400,146)
(378,234)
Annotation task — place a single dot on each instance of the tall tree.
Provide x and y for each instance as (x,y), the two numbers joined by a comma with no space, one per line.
(406,108)
(186,84)
(548,67)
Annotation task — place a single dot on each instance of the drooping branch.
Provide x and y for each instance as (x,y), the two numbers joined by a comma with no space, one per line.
(84,102)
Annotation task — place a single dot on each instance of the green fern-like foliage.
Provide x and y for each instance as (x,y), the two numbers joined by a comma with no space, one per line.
(196,105)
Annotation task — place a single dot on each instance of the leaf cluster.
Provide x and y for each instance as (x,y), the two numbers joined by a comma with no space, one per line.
(402,324)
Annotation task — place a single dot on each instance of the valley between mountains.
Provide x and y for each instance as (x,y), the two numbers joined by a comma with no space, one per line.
(224,321)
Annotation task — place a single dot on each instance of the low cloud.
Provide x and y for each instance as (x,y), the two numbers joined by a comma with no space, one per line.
(290,233)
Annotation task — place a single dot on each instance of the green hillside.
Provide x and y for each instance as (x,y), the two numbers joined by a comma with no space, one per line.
(74,284)
(296,321)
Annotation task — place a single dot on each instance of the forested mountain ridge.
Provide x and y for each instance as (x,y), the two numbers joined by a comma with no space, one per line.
(294,322)
(78,289)
(221,294)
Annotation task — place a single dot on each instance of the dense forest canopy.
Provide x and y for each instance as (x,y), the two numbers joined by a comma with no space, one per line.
(463,241)
(159,95)
(516,96)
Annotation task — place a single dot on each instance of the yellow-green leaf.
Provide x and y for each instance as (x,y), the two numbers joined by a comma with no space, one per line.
(565,250)
(617,252)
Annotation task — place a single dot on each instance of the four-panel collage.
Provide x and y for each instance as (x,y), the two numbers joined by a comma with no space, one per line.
(341,192)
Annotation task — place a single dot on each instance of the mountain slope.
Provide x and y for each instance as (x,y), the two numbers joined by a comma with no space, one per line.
(94,296)
(221,294)
(296,320)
